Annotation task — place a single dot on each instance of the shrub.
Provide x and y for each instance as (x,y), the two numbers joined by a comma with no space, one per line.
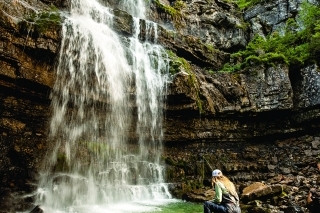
(298,46)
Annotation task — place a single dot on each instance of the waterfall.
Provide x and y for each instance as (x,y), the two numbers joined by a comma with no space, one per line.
(105,89)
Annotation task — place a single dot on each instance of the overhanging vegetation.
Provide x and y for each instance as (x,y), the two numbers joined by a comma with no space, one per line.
(299,45)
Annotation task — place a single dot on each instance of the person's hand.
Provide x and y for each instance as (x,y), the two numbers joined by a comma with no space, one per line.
(309,197)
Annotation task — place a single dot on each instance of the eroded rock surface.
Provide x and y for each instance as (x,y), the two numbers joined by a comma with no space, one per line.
(269,17)
(272,175)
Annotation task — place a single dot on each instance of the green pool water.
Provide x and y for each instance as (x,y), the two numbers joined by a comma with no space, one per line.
(163,206)
(181,207)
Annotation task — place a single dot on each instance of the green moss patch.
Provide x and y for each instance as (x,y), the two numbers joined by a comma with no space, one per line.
(175,66)
(173,11)
(42,20)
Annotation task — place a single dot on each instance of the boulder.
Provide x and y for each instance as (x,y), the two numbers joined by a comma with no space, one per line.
(37,209)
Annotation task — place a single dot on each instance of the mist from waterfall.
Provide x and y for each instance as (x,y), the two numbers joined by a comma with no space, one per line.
(104,84)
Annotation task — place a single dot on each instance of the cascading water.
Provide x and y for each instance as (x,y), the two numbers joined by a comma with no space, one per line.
(103,86)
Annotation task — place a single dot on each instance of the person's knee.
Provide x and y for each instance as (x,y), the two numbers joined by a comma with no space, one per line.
(206,207)
(206,204)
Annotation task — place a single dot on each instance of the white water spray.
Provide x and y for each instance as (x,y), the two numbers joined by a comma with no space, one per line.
(102,88)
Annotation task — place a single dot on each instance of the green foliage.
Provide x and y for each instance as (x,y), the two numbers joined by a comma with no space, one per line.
(299,45)
(176,62)
(179,5)
(174,12)
(283,194)
(41,21)
(243,26)
(229,68)
(175,66)
(245,4)
(210,47)
(311,18)
(167,9)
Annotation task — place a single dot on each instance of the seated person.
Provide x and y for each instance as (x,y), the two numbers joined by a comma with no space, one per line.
(313,201)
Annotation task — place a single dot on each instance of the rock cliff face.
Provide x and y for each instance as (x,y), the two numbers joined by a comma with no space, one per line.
(26,76)
(248,123)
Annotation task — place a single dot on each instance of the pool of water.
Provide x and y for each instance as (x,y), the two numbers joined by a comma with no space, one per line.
(157,206)
(181,207)
(160,206)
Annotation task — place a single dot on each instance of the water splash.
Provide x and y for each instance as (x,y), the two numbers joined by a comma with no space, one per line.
(104,90)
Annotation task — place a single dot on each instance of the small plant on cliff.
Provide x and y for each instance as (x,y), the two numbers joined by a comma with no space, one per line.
(245,4)
(175,66)
(243,26)
(176,62)
(174,12)
(179,5)
(42,20)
